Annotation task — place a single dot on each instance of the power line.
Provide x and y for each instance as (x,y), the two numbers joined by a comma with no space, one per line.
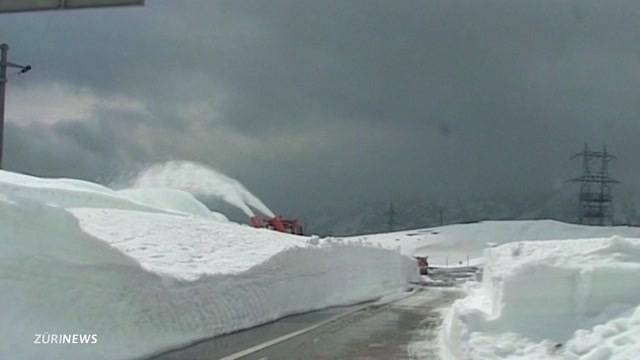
(391,217)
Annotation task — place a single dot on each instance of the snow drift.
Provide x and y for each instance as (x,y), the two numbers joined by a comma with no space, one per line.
(78,258)
(454,244)
(565,299)
(70,193)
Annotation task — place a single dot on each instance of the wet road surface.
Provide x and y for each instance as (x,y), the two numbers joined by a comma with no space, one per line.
(381,332)
(225,345)
(405,329)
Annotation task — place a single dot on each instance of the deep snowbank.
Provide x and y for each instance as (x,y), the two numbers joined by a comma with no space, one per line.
(566,299)
(453,244)
(70,193)
(143,279)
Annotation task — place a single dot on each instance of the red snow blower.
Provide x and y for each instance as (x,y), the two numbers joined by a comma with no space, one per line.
(278,223)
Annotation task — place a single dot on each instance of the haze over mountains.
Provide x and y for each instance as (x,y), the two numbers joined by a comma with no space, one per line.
(370,217)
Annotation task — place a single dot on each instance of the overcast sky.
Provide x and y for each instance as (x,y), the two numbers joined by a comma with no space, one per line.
(314,102)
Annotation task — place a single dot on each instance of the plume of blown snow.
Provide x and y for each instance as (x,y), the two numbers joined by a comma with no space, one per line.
(201,181)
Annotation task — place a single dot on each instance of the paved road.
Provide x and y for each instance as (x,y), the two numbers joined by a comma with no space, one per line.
(382,332)
(222,346)
(406,329)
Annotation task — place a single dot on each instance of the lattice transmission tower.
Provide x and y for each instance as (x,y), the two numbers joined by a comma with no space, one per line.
(595,187)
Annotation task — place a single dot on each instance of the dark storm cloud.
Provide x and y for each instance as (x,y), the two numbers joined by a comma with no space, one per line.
(334,101)
(95,149)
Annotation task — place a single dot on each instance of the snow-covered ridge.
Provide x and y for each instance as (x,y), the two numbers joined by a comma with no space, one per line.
(565,299)
(454,244)
(184,247)
(70,193)
(149,271)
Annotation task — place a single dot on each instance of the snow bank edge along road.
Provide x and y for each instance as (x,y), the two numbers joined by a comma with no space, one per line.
(565,299)
(60,275)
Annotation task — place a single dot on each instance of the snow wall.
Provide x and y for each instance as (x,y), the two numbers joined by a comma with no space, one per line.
(565,299)
(145,280)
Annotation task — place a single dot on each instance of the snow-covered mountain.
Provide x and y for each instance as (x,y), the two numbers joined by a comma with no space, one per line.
(370,217)
(458,244)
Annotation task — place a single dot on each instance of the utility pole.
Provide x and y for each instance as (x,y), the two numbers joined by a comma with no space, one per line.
(4,64)
(391,214)
(441,213)
(595,187)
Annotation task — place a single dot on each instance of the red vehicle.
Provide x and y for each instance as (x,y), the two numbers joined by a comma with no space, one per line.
(278,223)
(423,264)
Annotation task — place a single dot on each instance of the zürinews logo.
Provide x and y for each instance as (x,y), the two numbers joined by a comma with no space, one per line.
(53,338)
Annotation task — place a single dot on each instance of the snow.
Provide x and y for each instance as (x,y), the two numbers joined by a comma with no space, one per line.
(562,299)
(200,180)
(170,200)
(148,270)
(70,193)
(183,246)
(459,243)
